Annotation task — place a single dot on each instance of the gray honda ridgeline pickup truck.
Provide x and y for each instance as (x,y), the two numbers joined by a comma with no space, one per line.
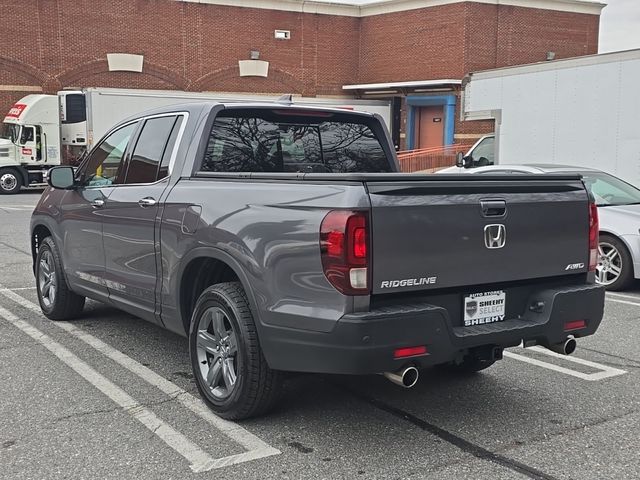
(282,238)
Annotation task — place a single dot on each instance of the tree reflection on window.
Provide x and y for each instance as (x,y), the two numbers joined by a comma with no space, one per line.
(258,144)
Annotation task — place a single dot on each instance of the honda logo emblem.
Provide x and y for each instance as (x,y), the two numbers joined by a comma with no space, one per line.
(495,236)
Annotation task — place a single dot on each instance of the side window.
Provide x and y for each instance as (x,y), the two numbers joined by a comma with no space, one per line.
(104,166)
(38,143)
(486,150)
(150,149)
(27,135)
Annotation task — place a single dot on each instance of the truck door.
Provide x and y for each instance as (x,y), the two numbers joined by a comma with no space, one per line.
(28,148)
(131,218)
(81,212)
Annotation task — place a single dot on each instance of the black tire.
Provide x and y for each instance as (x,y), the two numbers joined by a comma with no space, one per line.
(468,366)
(10,181)
(257,387)
(66,304)
(626,276)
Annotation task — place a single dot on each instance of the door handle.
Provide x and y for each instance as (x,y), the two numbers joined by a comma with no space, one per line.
(97,203)
(147,202)
(493,208)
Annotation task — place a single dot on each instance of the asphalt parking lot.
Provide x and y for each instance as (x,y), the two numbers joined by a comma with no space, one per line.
(110,396)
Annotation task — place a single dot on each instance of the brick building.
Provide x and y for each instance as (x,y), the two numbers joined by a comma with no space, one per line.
(413,51)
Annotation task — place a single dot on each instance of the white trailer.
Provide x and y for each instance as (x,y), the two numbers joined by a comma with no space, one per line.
(582,111)
(41,131)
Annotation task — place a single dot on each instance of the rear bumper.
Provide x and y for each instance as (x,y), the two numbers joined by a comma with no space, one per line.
(364,343)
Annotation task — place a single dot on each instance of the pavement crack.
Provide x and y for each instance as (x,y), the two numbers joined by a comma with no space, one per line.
(134,408)
(577,428)
(85,414)
(24,252)
(636,363)
(453,439)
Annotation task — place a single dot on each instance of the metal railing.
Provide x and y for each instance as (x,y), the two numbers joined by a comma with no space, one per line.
(430,159)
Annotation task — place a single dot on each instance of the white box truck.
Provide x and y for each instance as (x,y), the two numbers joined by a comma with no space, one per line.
(41,131)
(29,142)
(581,111)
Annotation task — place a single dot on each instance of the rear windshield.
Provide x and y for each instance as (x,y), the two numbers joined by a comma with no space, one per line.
(277,141)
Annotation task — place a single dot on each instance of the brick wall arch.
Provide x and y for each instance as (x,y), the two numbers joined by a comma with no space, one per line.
(26,71)
(99,68)
(229,79)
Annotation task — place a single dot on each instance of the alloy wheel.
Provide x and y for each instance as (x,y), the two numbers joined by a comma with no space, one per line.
(47,279)
(609,266)
(217,350)
(8,181)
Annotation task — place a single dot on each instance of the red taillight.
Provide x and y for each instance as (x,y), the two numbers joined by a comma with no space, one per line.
(593,236)
(344,247)
(360,242)
(574,325)
(410,352)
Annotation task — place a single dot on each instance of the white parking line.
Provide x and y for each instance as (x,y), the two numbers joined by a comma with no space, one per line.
(625,302)
(255,446)
(622,295)
(605,370)
(20,208)
(199,460)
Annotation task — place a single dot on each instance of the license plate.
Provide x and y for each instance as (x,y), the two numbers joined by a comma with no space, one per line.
(485,307)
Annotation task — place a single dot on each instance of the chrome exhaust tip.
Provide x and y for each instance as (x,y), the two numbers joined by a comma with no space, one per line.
(406,378)
(565,348)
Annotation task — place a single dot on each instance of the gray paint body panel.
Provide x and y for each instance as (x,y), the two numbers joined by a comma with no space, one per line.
(426,230)
(271,229)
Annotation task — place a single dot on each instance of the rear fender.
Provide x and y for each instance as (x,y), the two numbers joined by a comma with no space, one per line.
(217,254)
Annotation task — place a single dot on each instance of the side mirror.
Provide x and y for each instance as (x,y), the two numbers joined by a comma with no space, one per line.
(467,162)
(460,160)
(61,177)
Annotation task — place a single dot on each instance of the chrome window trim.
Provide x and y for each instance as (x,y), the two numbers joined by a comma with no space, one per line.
(174,153)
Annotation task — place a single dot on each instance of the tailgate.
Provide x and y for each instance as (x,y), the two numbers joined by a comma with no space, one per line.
(454,232)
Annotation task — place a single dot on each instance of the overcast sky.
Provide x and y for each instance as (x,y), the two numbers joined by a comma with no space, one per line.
(619,25)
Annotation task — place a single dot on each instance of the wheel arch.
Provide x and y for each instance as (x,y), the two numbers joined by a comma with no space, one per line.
(38,233)
(25,175)
(630,250)
(618,237)
(201,268)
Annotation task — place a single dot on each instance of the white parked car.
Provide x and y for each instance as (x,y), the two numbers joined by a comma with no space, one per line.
(619,212)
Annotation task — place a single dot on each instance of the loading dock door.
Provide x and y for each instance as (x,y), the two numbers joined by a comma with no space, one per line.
(429,127)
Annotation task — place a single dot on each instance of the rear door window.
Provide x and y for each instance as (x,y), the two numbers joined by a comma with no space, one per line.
(269,141)
(147,162)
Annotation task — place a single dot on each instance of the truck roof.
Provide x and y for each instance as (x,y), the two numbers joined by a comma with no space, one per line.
(195,106)
(582,61)
(34,108)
